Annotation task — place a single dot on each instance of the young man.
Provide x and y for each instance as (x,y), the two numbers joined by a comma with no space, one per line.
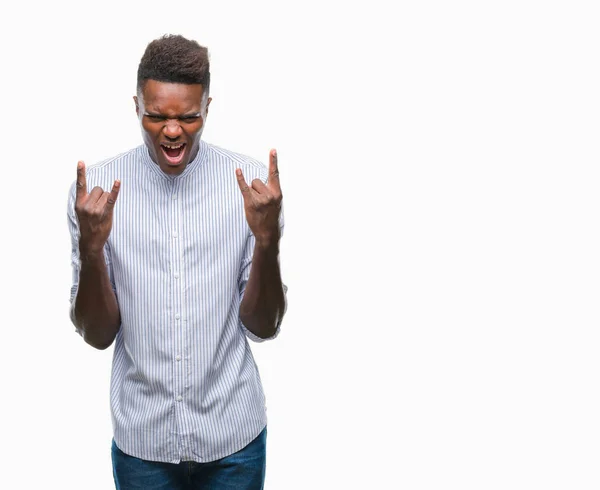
(176,259)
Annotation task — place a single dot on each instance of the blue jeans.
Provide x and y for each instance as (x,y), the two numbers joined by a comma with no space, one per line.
(244,470)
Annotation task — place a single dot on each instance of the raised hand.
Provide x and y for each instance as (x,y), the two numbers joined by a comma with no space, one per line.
(95,213)
(262,203)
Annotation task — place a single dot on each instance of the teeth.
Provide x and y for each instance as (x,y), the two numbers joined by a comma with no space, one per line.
(173,147)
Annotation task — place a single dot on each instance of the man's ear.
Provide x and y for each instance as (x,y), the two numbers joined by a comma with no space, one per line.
(137,105)
(208,103)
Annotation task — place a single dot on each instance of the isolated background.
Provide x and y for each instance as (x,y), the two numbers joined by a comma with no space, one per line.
(439,164)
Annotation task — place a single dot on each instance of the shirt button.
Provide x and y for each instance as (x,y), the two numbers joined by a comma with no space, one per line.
(179,398)
(176,275)
(177,316)
(178,358)
(174,197)
(174,234)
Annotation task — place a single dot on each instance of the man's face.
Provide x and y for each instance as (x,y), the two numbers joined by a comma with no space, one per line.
(172,117)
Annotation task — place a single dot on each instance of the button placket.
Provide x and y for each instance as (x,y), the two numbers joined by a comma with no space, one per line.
(175,255)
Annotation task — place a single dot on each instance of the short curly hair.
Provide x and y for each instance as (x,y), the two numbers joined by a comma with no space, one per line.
(175,59)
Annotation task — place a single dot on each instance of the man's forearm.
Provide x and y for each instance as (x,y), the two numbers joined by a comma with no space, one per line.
(263,305)
(95,311)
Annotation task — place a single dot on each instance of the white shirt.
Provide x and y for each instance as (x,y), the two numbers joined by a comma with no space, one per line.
(184,383)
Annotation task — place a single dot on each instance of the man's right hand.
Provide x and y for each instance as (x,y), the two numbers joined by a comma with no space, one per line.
(95,214)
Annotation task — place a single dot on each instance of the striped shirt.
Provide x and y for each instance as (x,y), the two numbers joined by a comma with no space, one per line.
(184,385)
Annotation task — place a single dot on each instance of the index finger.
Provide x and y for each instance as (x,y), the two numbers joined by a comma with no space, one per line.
(242,182)
(114,193)
(273,168)
(81,185)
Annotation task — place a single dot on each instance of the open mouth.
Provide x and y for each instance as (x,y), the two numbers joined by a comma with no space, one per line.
(173,152)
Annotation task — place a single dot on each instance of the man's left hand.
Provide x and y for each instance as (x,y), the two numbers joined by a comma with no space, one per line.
(262,203)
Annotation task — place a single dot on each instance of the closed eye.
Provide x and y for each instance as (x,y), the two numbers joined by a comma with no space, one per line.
(154,118)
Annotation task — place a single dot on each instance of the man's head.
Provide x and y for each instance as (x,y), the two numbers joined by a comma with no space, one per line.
(172,100)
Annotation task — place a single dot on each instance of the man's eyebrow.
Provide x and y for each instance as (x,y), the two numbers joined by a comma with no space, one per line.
(183,116)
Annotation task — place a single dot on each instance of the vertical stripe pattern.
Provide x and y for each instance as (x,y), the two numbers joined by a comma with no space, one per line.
(184,383)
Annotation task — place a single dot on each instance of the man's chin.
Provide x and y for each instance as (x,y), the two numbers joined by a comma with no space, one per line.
(173,168)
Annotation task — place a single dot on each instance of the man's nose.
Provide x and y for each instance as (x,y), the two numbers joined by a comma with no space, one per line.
(172,129)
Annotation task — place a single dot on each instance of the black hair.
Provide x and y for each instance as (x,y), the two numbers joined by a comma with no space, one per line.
(175,59)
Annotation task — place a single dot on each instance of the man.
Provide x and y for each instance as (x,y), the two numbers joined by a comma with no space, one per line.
(176,259)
